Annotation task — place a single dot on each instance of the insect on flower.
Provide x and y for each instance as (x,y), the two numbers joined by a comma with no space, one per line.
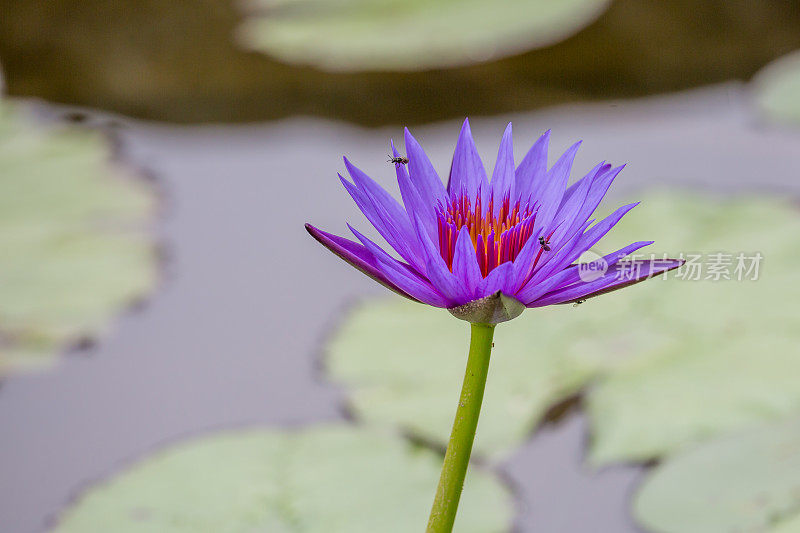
(475,246)
(545,244)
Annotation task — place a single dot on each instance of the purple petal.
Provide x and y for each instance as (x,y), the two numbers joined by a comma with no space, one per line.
(387,219)
(532,169)
(570,275)
(412,199)
(549,262)
(423,176)
(357,255)
(401,274)
(596,232)
(550,191)
(523,263)
(619,276)
(567,220)
(598,190)
(503,176)
(499,279)
(439,275)
(465,262)
(467,174)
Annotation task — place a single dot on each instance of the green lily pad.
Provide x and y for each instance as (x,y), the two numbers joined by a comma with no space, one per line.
(323,479)
(718,355)
(777,89)
(403,364)
(790,524)
(672,361)
(403,35)
(747,482)
(73,245)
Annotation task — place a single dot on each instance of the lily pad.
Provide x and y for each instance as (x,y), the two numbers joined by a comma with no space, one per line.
(73,245)
(403,364)
(747,482)
(403,35)
(777,89)
(328,478)
(671,361)
(718,355)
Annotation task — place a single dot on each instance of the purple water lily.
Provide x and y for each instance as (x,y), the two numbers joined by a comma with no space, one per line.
(488,249)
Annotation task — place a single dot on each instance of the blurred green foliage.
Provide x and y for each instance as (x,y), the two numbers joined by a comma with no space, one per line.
(351,35)
(670,361)
(319,480)
(73,246)
(745,482)
(778,89)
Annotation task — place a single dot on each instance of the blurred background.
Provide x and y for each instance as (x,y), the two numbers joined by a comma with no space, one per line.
(177,355)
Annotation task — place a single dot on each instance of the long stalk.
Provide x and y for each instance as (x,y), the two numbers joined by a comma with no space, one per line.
(459,448)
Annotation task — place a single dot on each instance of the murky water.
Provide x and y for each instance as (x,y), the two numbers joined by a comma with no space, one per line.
(178,61)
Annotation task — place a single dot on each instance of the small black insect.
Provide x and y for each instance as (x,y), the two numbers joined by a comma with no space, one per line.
(545,244)
(577,303)
(399,159)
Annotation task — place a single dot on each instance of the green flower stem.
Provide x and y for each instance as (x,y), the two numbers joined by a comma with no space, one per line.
(456,459)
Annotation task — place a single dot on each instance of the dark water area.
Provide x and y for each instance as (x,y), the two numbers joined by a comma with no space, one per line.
(177,61)
(233,334)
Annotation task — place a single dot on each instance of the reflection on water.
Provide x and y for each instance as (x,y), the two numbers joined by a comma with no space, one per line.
(177,61)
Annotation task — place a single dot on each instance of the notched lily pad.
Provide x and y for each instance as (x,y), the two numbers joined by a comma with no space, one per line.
(73,242)
(328,478)
(403,35)
(747,482)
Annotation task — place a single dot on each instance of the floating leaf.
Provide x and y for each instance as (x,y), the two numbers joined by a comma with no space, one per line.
(721,353)
(73,249)
(329,478)
(403,363)
(674,361)
(403,35)
(747,482)
(778,87)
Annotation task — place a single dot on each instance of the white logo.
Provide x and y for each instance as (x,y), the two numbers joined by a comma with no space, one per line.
(593,267)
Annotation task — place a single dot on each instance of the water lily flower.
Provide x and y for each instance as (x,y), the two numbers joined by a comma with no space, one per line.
(486,250)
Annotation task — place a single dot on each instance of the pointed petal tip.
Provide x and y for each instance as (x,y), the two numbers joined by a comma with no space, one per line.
(465,128)
(351,168)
